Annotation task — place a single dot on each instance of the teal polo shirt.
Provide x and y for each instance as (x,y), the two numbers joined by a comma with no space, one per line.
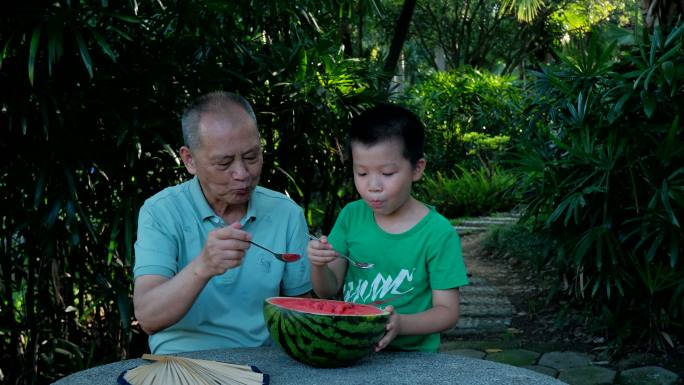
(172,229)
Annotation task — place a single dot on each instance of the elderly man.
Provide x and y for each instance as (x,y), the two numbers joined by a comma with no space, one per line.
(198,283)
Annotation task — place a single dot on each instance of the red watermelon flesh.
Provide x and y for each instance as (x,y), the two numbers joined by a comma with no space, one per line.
(325,306)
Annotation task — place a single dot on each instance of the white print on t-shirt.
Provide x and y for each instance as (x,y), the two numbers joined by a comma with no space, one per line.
(363,291)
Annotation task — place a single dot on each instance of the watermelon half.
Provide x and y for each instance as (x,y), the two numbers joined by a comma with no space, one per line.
(324,333)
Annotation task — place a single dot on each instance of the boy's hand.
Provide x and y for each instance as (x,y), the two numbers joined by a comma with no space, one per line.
(321,252)
(391,329)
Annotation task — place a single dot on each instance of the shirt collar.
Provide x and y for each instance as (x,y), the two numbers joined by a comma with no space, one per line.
(207,213)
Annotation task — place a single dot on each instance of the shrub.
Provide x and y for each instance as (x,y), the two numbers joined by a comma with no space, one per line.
(602,171)
(456,103)
(468,193)
(520,242)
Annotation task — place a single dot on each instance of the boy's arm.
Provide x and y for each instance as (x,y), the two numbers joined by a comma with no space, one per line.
(327,271)
(327,280)
(443,315)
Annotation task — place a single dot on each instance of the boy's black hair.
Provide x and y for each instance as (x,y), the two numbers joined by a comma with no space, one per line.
(389,121)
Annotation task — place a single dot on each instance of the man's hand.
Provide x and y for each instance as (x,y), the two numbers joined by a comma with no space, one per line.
(225,249)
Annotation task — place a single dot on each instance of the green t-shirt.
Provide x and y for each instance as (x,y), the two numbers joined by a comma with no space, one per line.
(408,266)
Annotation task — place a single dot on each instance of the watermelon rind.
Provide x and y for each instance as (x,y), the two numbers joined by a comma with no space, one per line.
(323,340)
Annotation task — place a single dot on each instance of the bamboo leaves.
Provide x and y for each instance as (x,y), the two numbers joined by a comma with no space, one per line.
(33,52)
(94,90)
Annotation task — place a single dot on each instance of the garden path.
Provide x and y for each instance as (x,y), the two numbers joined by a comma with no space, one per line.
(495,324)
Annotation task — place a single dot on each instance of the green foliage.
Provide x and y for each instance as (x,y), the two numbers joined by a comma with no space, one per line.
(525,10)
(468,115)
(450,34)
(90,98)
(579,17)
(521,242)
(602,172)
(468,193)
(505,36)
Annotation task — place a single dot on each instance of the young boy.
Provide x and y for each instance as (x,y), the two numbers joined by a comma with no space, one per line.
(416,251)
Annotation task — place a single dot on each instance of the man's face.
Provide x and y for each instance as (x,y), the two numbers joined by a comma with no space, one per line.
(228,161)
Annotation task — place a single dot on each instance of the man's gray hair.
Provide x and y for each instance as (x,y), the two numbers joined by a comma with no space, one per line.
(212,102)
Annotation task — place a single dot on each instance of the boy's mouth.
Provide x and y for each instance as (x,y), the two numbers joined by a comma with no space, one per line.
(375,203)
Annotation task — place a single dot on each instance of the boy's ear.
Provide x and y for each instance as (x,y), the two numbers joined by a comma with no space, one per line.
(419,169)
(188,161)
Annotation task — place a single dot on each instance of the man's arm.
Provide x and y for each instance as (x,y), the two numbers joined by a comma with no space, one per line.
(160,302)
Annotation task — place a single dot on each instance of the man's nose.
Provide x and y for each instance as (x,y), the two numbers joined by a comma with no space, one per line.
(239,170)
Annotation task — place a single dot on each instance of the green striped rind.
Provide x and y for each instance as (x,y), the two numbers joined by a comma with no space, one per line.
(324,340)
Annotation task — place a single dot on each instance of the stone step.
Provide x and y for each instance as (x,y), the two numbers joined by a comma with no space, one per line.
(476,280)
(485,300)
(483,311)
(473,325)
(493,291)
(481,223)
(469,230)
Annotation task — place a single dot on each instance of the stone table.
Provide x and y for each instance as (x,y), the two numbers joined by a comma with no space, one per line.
(379,368)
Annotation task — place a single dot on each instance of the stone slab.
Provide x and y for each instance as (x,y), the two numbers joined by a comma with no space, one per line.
(472,353)
(542,369)
(515,357)
(565,360)
(588,375)
(647,375)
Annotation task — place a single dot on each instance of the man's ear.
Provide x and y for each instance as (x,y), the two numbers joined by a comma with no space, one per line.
(419,169)
(188,161)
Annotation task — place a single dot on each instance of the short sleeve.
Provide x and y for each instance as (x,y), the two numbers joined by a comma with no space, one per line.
(340,231)
(155,251)
(297,276)
(445,262)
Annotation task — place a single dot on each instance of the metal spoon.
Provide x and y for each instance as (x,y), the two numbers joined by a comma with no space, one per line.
(360,265)
(285,257)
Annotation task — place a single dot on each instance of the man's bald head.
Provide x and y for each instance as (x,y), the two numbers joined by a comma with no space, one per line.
(214,103)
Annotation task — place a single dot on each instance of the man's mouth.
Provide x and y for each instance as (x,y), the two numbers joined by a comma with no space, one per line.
(241,191)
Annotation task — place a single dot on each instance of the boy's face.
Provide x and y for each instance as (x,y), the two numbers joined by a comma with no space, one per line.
(383,176)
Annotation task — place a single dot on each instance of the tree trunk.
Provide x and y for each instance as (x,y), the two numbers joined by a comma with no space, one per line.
(400,33)
(663,13)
